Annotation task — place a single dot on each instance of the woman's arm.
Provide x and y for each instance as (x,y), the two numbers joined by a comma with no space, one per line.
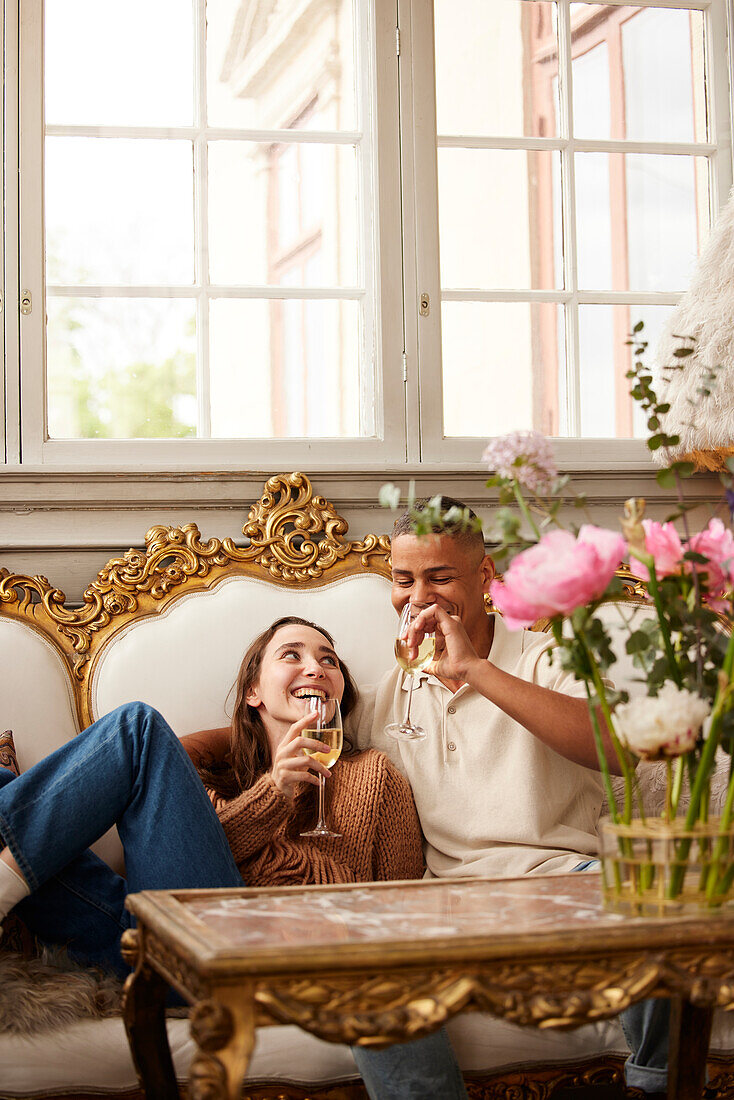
(251,820)
(398,850)
(207,747)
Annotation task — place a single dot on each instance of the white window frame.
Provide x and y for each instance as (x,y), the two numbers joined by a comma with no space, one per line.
(408,374)
(380,175)
(423,332)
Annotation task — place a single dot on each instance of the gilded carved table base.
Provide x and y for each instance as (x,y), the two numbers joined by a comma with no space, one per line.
(407,1003)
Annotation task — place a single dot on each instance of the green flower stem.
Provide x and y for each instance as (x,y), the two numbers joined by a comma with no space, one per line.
(703,771)
(606,711)
(677,787)
(604,766)
(668,789)
(664,630)
(713,885)
(711,744)
(524,509)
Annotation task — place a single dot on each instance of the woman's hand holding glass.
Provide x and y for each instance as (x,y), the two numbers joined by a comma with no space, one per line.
(291,765)
(327,737)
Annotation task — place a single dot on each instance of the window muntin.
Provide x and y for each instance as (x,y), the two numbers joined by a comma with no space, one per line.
(613,202)
(187,201)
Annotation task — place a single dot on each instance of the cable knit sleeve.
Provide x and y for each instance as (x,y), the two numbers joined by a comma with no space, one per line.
(398,846)
(251,819)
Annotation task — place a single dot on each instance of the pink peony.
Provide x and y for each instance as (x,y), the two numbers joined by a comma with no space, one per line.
(716,543)
(557,575)
(663,544)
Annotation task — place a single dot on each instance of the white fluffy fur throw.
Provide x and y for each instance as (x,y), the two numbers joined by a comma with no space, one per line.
(38,994)
(706,313)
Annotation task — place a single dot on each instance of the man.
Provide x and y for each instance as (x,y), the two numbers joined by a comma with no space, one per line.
(507,781)
(506,725)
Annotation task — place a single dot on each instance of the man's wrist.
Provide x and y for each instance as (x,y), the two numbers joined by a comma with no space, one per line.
(475,670)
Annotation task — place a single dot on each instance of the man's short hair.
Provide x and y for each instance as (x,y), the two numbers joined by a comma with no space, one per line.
(467,531)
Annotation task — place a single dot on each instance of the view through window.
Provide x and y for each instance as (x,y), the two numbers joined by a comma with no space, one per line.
(585,208)
(206,277)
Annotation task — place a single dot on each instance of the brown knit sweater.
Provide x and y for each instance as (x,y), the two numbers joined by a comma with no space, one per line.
(368,801)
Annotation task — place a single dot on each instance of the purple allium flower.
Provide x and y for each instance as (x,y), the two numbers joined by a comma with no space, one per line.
(525,456)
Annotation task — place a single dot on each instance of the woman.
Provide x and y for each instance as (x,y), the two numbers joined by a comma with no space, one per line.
(129,770)
(264,796)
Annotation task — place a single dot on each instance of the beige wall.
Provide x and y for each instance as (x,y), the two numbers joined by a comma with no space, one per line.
(67,526)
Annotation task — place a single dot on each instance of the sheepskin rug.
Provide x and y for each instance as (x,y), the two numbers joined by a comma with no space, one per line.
(705,315)
(50,991)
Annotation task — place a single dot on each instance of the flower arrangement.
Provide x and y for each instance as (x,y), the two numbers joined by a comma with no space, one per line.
(684,651)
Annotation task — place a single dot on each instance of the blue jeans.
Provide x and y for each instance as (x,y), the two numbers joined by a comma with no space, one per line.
(130,770)
(424,1069)
(646,1026)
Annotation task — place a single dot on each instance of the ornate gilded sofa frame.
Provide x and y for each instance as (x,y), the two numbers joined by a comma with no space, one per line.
(296,541)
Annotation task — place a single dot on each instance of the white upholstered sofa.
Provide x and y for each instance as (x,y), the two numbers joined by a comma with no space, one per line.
(168,625)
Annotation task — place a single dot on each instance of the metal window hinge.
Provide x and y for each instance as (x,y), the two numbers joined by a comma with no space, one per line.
(26,302)
(405,367)
(397,41)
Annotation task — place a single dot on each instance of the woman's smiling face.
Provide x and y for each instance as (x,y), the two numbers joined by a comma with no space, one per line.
(298,662)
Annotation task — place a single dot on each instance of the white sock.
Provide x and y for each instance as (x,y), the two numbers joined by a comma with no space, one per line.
(13,888)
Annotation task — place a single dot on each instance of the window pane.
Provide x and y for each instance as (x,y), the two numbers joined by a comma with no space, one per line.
(503,367)
(641,220)
(607,410)
(121,62)
(272,66)
(287,369)
(283,214)
(499,218)
(495,64)
(119,211)
(638,73)
(121,368)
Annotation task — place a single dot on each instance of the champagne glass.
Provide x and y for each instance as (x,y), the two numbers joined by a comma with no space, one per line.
(406,730)
(327,728)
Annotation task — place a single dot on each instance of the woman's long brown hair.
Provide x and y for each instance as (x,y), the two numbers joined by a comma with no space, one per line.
(249,755)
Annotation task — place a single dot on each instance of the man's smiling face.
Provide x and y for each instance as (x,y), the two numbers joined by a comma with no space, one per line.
(444,570)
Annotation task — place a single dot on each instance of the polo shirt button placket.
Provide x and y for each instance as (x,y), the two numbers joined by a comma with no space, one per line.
(451,746)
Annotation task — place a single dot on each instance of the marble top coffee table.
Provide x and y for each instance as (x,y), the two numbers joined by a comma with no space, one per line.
(380,963)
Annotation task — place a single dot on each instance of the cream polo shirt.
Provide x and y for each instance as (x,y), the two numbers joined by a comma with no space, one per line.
(492,799)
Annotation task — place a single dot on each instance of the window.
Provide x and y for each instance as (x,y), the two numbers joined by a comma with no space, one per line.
(579,159)
(272,232)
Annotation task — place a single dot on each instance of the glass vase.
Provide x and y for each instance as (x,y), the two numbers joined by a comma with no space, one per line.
(658,868)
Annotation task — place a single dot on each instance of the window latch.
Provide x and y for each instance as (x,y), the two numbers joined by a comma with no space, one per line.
(26,302)
(425,306)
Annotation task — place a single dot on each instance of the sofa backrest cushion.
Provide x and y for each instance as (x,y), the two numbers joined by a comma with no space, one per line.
(37,698)
(184,661)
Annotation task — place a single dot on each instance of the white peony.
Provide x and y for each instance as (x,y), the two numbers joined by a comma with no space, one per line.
(667,725)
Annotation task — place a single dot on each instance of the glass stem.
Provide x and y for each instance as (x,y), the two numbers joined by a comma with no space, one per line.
(321,823)
(410,696)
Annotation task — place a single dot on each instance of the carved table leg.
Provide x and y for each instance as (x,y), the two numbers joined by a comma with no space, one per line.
(690,1033)
(145,1022)
(224,1031)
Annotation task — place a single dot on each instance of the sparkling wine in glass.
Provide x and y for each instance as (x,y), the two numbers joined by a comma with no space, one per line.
(327,729)
(406,730)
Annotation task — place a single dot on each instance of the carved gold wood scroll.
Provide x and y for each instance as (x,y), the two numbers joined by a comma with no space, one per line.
(558,993)
(294,538)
